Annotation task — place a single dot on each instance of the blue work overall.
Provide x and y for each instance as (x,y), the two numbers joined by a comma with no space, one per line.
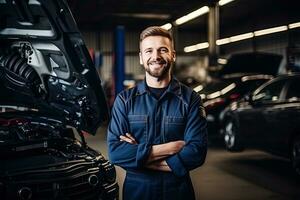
(177,115)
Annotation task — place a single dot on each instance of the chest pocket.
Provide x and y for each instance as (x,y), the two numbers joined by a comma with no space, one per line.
(138,127)
(173,128)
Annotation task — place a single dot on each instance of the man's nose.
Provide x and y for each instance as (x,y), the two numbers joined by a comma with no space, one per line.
(156,55)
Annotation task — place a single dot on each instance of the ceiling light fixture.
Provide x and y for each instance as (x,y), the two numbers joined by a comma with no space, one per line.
(201,11)
(195,47)
(223,41)
(241,37)
(245,36)
(294,25)
(222,61)
(198,88)
(224,2)
(167,26)
(270,30)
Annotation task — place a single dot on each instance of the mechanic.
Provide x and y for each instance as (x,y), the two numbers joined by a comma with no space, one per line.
(157,131)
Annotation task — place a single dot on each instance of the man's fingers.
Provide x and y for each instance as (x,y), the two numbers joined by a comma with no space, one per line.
(127,139)
(130,136)
(179,143)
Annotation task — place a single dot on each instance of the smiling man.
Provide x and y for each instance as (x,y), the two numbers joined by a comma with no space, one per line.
(157,132)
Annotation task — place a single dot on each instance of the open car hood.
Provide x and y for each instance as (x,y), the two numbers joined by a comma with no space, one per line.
(253,62)
(45,66)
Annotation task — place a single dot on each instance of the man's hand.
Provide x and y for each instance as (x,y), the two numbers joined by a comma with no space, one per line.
(128,138)
(162,151)
(160,165)
(174,147)
(159,152)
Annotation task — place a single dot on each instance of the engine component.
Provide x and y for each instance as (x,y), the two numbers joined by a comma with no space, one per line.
(19,75)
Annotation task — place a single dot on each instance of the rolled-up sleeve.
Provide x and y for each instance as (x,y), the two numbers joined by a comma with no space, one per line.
(121,153)
(194,152)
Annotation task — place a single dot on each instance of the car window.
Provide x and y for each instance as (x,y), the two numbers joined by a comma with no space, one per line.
(270,93)
(293,92)
(251,85)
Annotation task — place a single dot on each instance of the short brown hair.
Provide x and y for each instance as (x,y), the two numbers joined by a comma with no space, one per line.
(156,31)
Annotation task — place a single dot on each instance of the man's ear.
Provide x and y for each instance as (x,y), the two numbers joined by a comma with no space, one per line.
(141,60)
(174,56)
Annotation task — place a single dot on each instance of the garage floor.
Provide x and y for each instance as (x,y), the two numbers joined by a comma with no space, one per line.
(249,175)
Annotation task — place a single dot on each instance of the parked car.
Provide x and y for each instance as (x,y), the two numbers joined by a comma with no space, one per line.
(221,92)
(49,92)
(267,119)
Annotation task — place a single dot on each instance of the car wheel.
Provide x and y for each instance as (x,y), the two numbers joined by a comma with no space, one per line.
(231,136)
(295,154)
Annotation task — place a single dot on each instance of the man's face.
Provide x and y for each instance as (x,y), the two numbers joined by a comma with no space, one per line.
(157,55)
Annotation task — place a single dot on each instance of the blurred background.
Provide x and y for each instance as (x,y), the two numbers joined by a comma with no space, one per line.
(242,57)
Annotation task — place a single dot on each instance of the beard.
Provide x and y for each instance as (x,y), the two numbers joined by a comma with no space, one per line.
(160,72)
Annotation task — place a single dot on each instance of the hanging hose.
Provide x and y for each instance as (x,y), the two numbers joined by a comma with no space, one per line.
(19,74)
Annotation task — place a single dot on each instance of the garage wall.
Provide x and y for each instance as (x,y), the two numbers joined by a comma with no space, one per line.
(103,43)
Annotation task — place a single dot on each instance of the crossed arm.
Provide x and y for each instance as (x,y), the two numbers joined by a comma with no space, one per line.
(158,153)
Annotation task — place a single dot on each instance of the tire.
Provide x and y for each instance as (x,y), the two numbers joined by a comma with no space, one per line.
(295,154)
(231,136)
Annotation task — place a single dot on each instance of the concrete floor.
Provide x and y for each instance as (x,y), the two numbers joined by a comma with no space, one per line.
(249,175)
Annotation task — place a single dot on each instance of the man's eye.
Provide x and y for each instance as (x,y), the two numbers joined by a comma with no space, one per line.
(148,51)
(163,50)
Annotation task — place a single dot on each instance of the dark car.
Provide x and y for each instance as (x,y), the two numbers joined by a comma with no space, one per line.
(252,62)
(267,119)
(49,93)
(221,92)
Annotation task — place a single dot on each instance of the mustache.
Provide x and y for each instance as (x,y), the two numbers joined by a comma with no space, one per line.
(157,62)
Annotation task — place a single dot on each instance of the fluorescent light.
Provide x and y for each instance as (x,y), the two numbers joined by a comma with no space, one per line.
(228,88)
(203,45)
(222,61)
(214,95)
(195,47)
(198,88)
(223,41)
(167,26)
(201,11)
(219,93)
(202,96)
(190,48)
(270,30)
(241,37)
(223,2)
(294,25)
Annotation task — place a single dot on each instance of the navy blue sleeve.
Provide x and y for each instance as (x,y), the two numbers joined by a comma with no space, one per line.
(193,154)
(120,153)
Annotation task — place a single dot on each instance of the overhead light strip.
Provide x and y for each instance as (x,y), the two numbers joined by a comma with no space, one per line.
(270,30)
(224,2)
(223,41)
(294,25)
(197,13)
(195,47)
(243,36)
(201,11)
(167,26)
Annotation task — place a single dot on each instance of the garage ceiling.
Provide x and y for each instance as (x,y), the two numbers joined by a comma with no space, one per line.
(236,17)
(134,14)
